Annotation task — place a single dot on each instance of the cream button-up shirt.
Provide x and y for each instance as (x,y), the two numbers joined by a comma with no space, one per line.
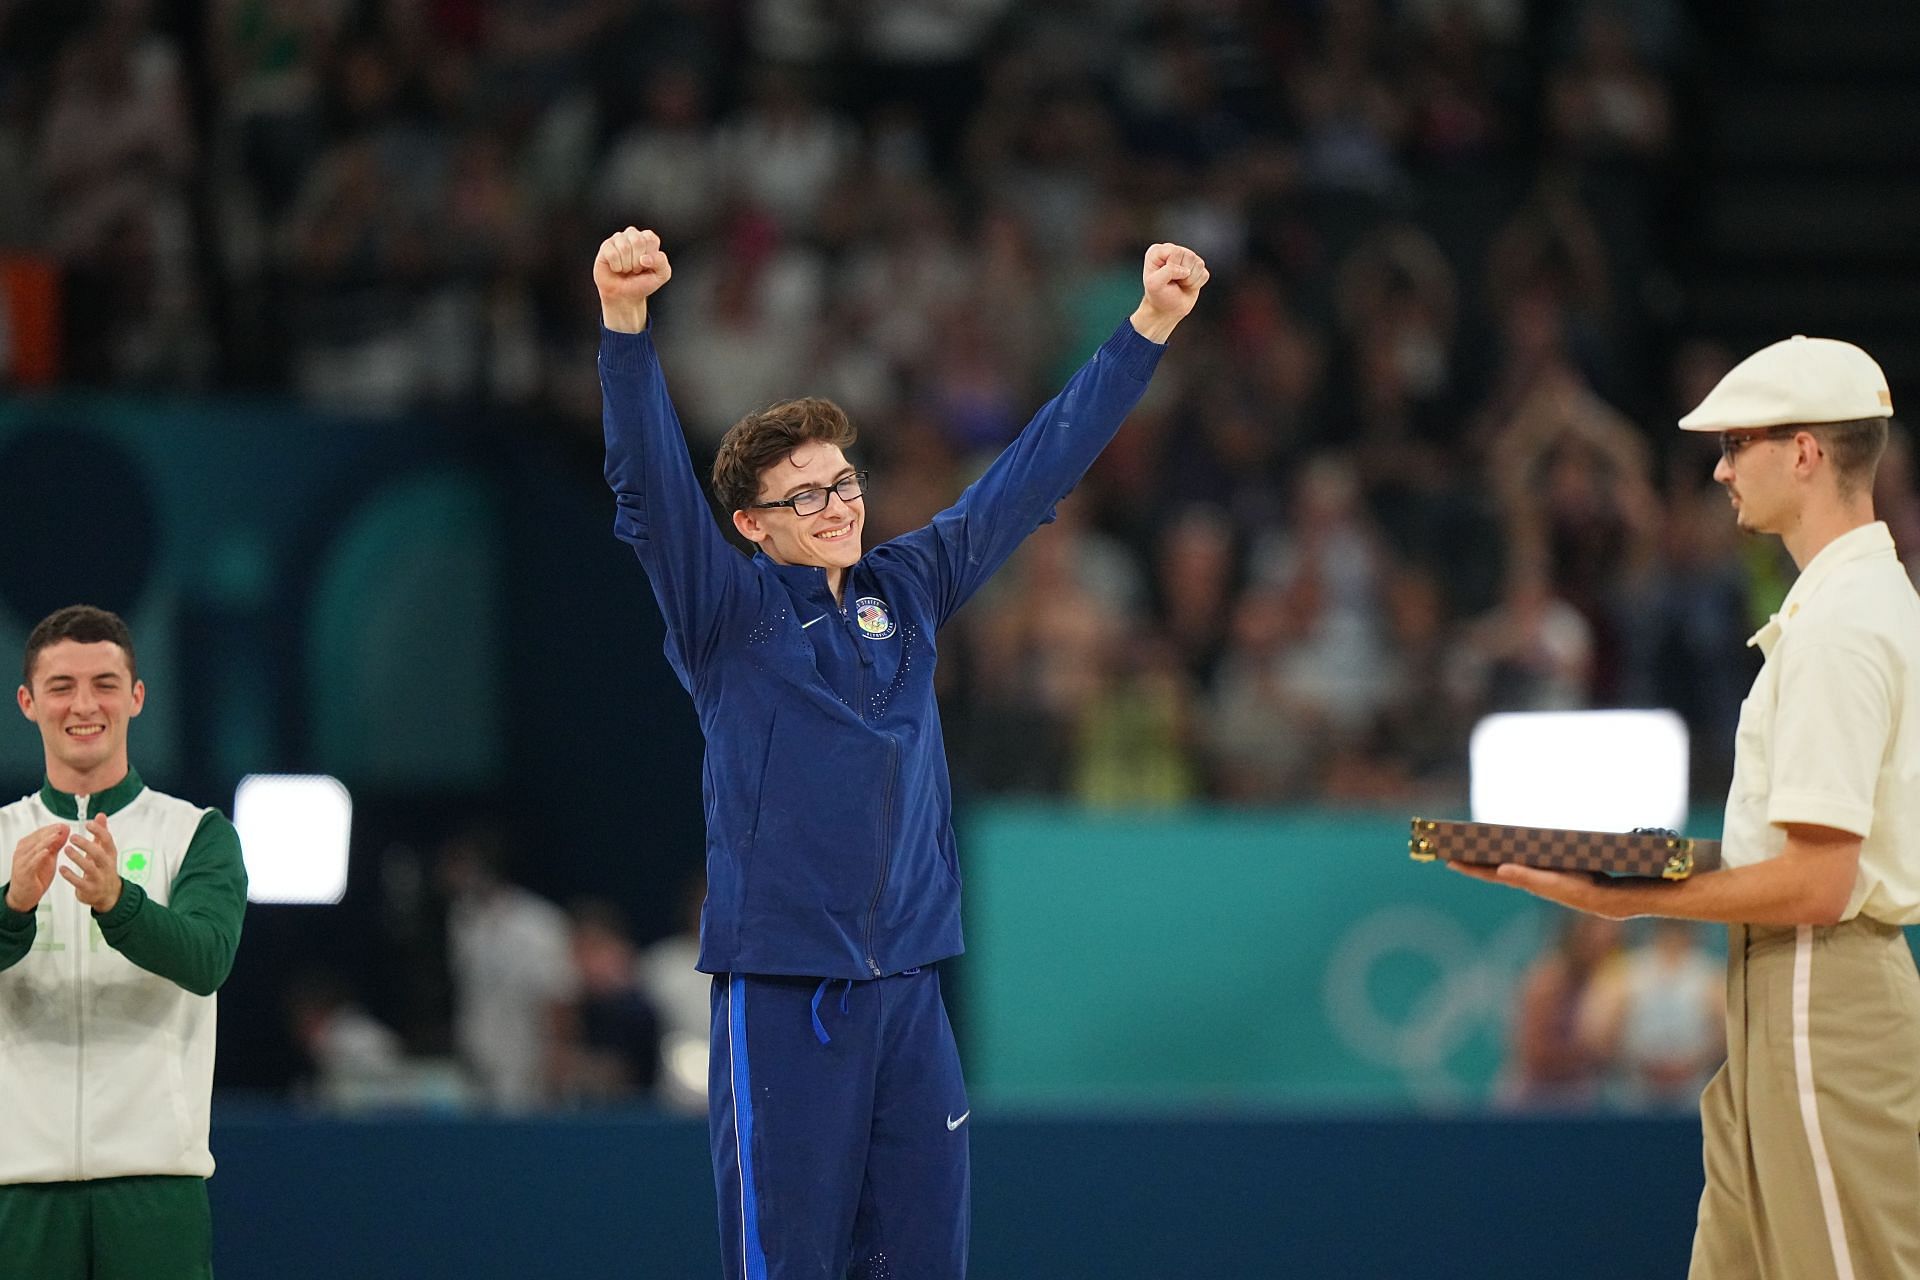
(1830,734)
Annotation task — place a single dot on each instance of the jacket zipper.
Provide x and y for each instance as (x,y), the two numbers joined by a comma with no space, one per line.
(861,664)
(886,851)
(81,944)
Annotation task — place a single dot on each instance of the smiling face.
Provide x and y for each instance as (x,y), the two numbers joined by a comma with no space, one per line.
(81,696)
(829,539)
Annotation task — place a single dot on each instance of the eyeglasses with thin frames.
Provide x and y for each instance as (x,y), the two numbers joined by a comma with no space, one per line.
(811,502)
(1732,442)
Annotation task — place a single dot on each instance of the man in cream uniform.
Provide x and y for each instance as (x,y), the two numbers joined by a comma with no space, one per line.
(121,915)
(1812,1128)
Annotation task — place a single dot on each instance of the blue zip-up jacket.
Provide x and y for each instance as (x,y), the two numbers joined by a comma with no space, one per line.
(830,847)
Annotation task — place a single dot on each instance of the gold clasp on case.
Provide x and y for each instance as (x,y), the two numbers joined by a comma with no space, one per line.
(1419,848)
(1680,865)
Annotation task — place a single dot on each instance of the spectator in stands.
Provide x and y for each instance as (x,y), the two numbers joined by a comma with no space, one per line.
(1133,741)
(1261,740)
(682,996)
(268,61)
(353,1057)
(665,167)
(1414,756)
(1574,480)
(1663,1023)
(1559,1053)
(618,1055)
(514,983)
(1196,574)
(1036,648)
(1332,563)
(115,156)
(784,150)
(1606,103)
(745,314)
(1531,652)
(1896,496)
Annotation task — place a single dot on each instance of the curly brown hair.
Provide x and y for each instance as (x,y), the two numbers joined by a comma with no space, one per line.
(761,439)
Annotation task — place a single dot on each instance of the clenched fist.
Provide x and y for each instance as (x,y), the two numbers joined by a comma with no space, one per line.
(1172,279)
(627,270)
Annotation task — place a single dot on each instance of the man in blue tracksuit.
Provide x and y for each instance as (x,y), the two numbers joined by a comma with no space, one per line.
(837,1111)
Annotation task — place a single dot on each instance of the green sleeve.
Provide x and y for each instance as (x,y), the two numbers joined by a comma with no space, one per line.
(191,939)
(16,931)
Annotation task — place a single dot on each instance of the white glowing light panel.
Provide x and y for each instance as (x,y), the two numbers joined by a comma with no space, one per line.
(293,836)
(1582,770)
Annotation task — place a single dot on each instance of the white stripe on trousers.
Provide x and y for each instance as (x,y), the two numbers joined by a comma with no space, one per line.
(1809,1108)
(739,1159)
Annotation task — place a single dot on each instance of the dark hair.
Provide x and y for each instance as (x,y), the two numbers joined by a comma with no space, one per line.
(761,439)
(1855,447)
(82,623)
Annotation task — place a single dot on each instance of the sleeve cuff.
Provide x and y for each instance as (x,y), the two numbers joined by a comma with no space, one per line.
(132,898)
(626,352)
(1137,357)
(12,921)
(1821,811)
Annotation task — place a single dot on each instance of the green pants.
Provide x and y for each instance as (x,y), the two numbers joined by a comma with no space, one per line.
(155,1228)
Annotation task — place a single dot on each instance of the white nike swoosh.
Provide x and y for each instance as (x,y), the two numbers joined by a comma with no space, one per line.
(805,625)
(953,1124)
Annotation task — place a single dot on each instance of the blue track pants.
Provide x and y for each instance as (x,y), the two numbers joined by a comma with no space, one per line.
(839,1124)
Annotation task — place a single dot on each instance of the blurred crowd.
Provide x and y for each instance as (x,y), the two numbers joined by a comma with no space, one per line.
(530,1006)
(1613,1015)
(1411,462)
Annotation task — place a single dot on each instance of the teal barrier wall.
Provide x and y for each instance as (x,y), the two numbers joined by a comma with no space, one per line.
(1237,956)
(1116,1197)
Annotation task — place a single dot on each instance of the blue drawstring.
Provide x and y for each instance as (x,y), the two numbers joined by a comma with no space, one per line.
(819,1027)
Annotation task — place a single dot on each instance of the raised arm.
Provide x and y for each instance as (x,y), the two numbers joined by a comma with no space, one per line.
(660,509)
(963,545)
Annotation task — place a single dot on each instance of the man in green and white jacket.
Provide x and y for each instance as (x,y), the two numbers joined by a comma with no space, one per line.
(121,916)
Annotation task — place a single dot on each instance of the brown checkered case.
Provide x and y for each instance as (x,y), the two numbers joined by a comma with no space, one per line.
(1662,854)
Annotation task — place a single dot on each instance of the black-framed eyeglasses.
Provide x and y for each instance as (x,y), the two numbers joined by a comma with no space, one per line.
(811,502)
(1732,442)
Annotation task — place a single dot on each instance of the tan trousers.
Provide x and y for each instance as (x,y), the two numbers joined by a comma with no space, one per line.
(1812,1128)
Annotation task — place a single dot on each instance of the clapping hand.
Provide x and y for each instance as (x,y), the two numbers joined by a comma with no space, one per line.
(95,873)
(34,859)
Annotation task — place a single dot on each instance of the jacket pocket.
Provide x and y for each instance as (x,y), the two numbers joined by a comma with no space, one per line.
(815,849)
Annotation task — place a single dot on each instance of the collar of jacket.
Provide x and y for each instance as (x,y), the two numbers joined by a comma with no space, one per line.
(111,801)
(808,579)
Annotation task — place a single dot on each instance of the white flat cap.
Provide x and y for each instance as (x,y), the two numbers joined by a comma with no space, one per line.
(1800,380)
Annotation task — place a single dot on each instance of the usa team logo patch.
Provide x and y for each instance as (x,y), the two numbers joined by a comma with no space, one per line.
(871,613)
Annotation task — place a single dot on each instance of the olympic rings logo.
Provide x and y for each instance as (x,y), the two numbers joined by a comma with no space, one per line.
(1463,990)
